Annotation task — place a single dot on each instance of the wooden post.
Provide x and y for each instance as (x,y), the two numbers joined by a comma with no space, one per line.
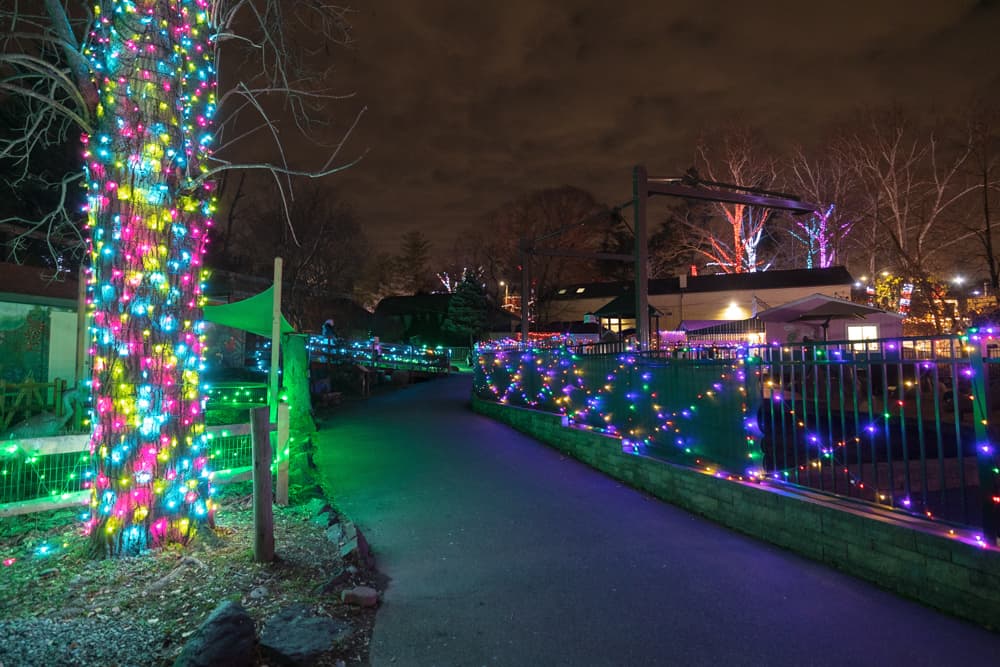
(81,345)
(281,489)
(525,291)
(263,513)
(272,398)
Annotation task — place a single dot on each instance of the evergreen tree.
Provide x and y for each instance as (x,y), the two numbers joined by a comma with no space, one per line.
(468,310)
(412,262)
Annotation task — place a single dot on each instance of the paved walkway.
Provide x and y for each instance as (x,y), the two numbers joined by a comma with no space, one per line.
(501,551)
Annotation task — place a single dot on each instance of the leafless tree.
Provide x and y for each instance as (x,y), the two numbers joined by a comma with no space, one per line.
(565,217)
(737,156)
(822,178)
(915,186)
(280,75)
(983,170)
(325,263)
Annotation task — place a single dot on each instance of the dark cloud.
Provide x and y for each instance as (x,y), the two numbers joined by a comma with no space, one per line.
(474,104)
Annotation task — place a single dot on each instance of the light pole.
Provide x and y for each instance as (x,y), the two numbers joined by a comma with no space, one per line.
(505,287)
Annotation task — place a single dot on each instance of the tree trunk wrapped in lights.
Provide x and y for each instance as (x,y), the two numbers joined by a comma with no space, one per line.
(149,213)
(137,78)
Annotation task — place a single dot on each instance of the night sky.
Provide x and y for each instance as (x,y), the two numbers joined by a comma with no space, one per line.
(474,104)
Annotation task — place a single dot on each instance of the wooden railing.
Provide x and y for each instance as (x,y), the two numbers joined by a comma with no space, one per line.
(23,400)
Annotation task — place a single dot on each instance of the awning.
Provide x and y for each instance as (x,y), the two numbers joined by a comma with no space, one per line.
(623,307)
(252,314)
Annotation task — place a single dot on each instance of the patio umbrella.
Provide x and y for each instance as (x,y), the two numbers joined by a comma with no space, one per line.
(835,310)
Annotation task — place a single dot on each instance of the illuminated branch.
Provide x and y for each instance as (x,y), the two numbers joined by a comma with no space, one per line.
(741,161)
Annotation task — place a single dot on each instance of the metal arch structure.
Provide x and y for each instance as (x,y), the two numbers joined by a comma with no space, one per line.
(689,186)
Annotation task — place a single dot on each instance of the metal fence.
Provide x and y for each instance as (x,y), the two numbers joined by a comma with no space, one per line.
(37,474)
(373,354)
(904,423)
(690,408)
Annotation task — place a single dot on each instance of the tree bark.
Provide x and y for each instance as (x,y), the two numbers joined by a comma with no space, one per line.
(148,226)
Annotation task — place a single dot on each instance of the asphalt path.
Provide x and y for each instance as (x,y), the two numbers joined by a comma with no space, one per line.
(501,551)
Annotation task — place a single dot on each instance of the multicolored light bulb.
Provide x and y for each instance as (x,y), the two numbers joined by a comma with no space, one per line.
(149,212)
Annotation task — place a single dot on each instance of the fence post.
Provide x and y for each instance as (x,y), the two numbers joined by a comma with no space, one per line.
(984,448)
(263,516)
(281,489)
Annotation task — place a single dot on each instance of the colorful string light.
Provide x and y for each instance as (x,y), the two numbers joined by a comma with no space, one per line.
(637,400)
(148,218)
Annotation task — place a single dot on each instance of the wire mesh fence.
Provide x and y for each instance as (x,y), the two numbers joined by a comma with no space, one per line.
(28,475)
(43,472)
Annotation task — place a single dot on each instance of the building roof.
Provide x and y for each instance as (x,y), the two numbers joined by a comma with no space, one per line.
(730,327)
(623,307)
(821,307)
(719,282)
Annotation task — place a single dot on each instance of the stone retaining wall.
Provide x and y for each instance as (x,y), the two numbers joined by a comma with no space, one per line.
(911,557)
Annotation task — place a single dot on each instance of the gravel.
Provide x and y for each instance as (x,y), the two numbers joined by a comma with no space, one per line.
(65,609)
(33,642)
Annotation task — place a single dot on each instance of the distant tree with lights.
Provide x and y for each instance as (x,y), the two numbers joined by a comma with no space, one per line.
(739,158)
(826,180)
(138,80)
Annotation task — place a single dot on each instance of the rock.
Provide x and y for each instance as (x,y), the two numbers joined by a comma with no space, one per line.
(295,636)
(321,512)
(339,577)
(335,533)
(362,596)
(355,547)
(317,506)
(226,637)
(259,592)
(349,529)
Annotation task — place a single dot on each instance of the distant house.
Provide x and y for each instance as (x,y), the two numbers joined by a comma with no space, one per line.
(821,317)
(580,332)
(38,325)
(419,319)
(712,299)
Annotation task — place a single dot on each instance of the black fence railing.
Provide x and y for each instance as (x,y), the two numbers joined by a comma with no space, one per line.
(901,423)
(904,423)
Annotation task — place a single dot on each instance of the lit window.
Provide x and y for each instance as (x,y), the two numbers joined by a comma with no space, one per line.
(863,332)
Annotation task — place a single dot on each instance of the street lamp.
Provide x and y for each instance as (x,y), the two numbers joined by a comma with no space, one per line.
(505,287)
